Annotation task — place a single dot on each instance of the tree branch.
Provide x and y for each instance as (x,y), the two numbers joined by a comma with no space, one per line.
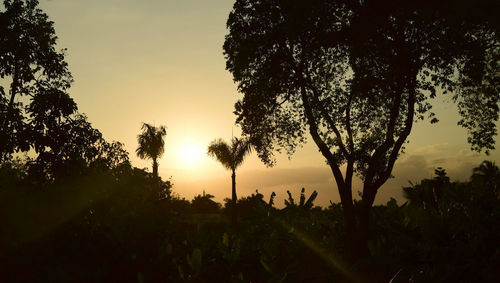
(327,117)
(313,130)
(402,138)
(401,60)
(306,81)
(389,137)
(348,123)
(350,160)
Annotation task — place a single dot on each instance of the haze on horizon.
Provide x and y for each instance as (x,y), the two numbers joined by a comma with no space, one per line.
(161,62)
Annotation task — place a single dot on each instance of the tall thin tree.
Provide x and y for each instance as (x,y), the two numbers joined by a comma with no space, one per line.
(151,144)
(231,156)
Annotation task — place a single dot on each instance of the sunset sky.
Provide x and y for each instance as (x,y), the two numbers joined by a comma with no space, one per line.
(161,62)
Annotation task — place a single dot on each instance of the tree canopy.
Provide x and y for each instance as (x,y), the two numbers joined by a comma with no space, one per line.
(36,112)
(231,156)
(356,75)
(73,148)
(151,144)
(36,100)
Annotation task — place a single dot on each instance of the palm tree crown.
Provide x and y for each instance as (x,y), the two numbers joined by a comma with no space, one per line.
(230,156)
(488,171)
(151,144)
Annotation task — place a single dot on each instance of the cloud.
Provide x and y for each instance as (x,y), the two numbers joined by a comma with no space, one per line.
(431,149)
(287,176)
(421,163)
(411,167)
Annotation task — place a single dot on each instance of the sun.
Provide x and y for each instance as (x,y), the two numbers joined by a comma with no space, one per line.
(190,153)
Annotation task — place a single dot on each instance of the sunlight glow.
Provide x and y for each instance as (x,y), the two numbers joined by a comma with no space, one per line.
(190,153)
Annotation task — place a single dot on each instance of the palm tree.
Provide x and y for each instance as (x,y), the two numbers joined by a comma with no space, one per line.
(487,174)
(231,157)
(151,144)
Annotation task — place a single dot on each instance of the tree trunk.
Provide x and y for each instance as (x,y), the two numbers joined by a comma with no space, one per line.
(155,169)
(233,200)
(356,243)
(156,181)
(369,269)
(362,231)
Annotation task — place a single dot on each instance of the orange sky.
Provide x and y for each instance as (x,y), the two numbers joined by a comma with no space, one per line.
(160,61)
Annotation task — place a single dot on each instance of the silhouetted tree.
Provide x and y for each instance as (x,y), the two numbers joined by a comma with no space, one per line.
(462,230)
(37,75)
(72,147)
(428,193)
(488,173)
(356,75)
(36,113)
(12,172)
(205,204)
(303,204)
(231,157)
(486,177)
(252,206)
(151,144)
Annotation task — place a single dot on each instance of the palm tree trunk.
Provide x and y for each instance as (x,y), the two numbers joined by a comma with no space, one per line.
(233,200)
(155,169)
(156,181)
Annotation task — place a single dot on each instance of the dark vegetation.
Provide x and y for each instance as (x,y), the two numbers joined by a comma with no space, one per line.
(110,226)
(354,74)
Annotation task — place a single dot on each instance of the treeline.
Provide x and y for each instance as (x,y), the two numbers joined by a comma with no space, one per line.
(73,208)
(112,225)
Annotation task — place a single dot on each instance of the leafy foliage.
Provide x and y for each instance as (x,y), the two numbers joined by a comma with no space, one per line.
(355,76)
(73,148)
(36,102)
(230,156)
(357,73)
(107,227)
(205,204)
(354,73)
(290,203)
(151,144)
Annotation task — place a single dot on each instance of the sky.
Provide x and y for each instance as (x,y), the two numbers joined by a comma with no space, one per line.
(161,62)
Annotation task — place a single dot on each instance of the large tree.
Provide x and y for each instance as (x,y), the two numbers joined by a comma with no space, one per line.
(36,112)
(34,78)
(74,148)
(356,75)
(151,144)
(231,156)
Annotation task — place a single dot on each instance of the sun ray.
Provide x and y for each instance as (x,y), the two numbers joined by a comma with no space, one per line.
(190,154)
